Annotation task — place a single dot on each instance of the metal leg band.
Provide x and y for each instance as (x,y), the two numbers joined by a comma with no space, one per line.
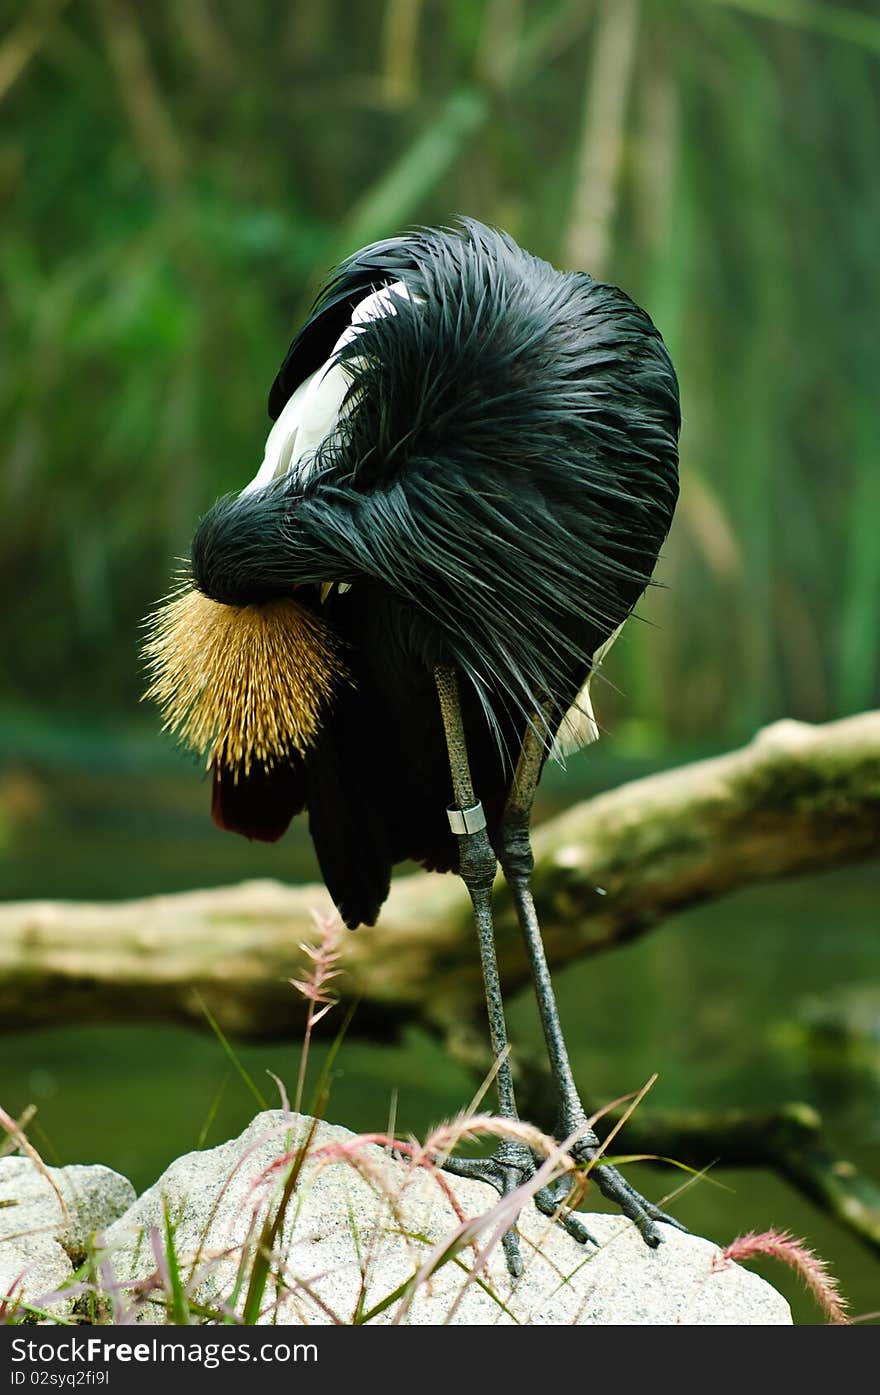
(469,820)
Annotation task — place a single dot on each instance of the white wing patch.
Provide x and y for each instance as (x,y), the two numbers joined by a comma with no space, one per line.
(579,727)
(315,409)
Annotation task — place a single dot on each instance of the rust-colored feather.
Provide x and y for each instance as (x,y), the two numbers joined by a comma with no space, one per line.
(244,685)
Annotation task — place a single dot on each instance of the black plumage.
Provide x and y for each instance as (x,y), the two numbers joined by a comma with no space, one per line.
(496,494)
(471,474)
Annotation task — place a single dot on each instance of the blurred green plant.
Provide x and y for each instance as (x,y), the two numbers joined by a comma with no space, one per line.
(175,179)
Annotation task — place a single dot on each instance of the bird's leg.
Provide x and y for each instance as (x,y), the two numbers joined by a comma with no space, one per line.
(517,861)
(513,1163)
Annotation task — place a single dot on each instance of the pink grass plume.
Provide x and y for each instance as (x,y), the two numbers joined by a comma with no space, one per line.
(797,1254)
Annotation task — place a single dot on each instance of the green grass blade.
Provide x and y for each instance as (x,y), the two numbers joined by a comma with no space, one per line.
(219,1034)
(180,1311)
(212,1114)
(269,1234)
(321,1092)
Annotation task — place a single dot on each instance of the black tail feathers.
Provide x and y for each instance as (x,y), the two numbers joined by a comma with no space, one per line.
(345,821)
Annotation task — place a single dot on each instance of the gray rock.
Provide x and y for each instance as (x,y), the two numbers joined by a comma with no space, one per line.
(39,1247)
(354,1233)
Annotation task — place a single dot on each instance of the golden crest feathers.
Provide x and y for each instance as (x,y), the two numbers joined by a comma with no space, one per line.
(244,685)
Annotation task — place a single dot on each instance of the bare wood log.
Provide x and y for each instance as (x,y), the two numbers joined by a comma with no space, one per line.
(796,799)
(791,1141)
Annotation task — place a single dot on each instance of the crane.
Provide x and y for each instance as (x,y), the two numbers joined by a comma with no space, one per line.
(471,472)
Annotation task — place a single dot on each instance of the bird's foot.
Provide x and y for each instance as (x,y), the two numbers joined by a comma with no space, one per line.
(509,1168)
(613,1185)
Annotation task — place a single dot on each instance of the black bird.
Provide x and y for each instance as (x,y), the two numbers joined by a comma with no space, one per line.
(472,470)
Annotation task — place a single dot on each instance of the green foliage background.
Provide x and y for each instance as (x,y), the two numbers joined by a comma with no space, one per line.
(176,177)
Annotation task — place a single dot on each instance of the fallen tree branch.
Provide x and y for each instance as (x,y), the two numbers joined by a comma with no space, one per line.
(796,799)
(791,1141)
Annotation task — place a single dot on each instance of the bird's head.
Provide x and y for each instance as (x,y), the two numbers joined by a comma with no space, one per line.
(241,662)
(241,667)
